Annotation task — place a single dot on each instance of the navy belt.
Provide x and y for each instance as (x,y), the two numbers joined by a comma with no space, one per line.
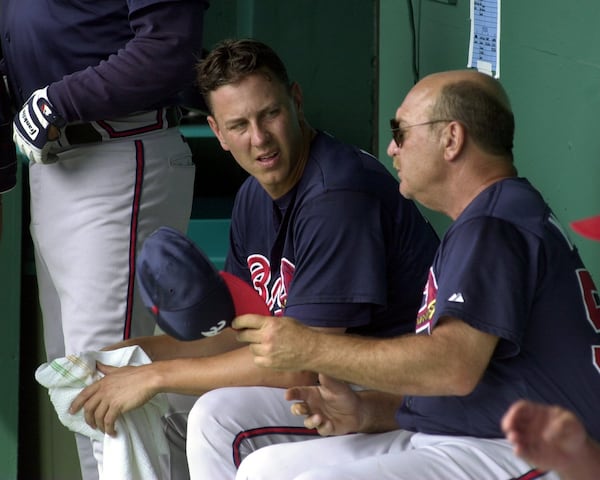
(103,130)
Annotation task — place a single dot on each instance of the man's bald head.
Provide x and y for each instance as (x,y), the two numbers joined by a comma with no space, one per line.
(477,101)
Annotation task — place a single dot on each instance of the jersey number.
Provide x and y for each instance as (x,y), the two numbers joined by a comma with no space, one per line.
(591,300)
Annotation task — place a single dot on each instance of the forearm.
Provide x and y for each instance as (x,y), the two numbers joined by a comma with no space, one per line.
(165,347)
(195,376)
(372,363)
(130,80)
(448,362)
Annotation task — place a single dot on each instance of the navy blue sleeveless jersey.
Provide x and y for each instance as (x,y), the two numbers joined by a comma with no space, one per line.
(343,237)
(102,58)
(507,267)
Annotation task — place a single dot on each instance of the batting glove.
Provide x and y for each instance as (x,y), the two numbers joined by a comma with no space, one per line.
(32,124)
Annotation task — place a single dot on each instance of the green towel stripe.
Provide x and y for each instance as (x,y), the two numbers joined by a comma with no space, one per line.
(66,373)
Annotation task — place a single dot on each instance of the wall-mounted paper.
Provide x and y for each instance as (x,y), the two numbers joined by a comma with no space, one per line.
(484,45)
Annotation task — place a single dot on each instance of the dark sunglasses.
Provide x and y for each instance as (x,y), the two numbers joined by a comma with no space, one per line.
(398,131)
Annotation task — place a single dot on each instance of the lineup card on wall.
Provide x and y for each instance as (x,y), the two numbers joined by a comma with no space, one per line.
(484,45)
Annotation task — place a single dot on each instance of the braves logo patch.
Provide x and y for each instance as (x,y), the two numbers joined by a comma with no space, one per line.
(272,287)
(425,314)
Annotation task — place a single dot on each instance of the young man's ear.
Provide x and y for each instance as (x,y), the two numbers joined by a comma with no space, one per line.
(296,92)
(214,126)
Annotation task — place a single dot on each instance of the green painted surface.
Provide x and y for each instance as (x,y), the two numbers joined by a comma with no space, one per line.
(212,236)
(196,131)
(10,291)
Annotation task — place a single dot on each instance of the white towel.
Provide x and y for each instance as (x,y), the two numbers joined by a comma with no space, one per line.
(140,446)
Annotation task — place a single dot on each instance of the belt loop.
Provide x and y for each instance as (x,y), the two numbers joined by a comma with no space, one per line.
(173,116)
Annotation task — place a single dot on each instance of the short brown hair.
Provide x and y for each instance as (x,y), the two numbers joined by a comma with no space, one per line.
(233,60)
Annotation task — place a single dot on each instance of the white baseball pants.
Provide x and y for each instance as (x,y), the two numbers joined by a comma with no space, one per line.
(397,455)
(227,424)
(90,213)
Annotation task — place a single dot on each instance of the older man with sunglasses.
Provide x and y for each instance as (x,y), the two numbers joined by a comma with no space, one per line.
(508,312)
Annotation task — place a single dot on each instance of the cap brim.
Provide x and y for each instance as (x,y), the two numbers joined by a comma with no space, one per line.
(588,227)
(245,298)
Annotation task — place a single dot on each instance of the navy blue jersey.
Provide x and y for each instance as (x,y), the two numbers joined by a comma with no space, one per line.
(342,237)
(102,59)
(506,267)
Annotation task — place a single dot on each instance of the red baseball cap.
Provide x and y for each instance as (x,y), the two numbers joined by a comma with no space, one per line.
(588,227)
(187,295)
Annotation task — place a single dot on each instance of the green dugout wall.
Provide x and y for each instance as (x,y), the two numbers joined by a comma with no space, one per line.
(354,61)
(10,288)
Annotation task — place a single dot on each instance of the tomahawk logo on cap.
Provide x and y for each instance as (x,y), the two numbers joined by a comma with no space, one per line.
(188,296)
